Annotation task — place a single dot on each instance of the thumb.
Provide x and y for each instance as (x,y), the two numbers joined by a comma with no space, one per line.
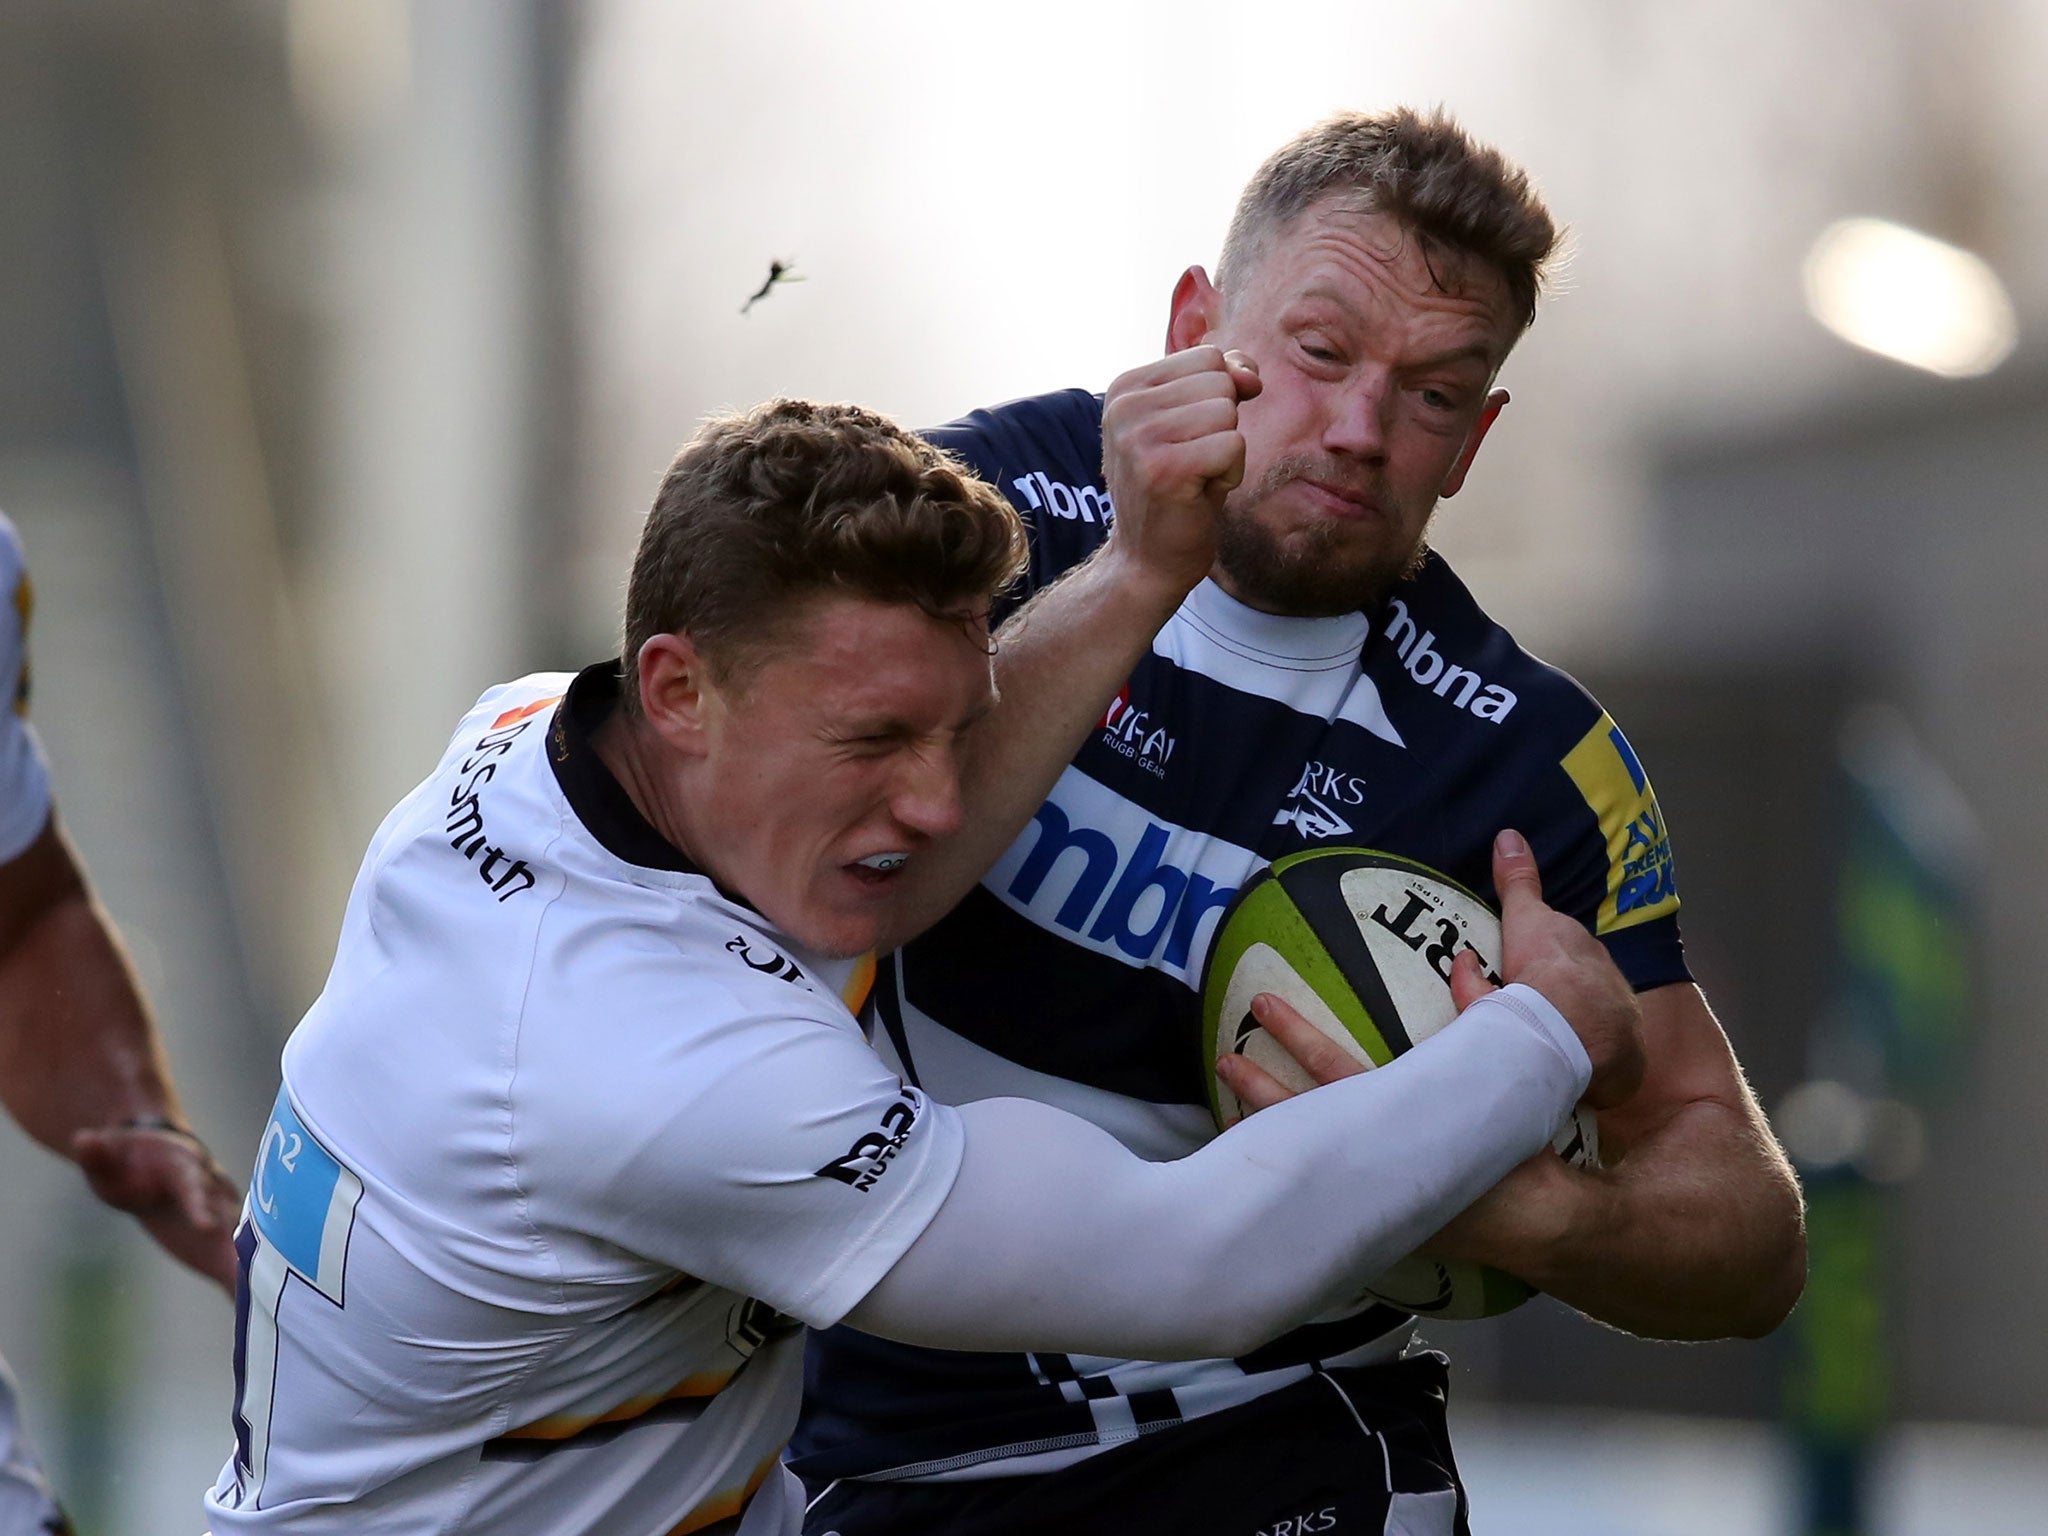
(1244,373)
(1515,877)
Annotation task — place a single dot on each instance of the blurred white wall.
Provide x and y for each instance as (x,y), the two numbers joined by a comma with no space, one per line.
(992,200)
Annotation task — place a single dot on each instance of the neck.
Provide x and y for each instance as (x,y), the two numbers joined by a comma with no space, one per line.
(633,755)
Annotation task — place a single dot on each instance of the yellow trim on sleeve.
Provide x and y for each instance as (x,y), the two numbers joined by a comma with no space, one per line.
(1640,885)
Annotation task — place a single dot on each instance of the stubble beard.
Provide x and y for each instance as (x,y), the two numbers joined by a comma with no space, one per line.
(1305,573)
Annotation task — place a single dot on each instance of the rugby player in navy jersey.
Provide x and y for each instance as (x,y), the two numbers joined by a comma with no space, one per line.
(81,1069)
(1331,683)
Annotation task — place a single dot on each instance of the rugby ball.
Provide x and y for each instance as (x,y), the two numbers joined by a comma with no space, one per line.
(1361,944)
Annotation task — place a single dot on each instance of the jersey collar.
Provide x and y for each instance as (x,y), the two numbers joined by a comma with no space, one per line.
(599,800)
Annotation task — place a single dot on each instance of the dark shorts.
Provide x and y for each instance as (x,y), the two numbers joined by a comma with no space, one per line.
(1356,1452)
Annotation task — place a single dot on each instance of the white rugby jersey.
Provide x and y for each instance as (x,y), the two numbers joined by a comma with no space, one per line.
(568,1149)
(24,780)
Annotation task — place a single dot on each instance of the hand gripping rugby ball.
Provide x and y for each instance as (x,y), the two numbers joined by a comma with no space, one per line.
(1361,943)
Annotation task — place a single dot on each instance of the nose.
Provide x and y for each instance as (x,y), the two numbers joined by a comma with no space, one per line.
(927,797)
(1356,427)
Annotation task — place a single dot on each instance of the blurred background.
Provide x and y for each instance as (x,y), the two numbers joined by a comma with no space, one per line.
(343,342)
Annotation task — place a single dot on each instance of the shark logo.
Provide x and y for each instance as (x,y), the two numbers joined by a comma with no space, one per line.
(1312,808)
(1311,817)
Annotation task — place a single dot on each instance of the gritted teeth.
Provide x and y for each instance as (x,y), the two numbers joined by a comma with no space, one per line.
(885,861)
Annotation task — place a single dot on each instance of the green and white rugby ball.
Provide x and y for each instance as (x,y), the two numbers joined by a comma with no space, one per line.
(1361,943)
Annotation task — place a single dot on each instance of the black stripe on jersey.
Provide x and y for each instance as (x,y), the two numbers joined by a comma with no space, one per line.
(1317,891)
(1054,1367)
(1098,1386)
(520,1448)
(1033,997)
(1158,1406)
(1322,1341)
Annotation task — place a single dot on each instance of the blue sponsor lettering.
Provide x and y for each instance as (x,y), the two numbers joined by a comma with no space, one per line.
(1184,898)
(1647,876)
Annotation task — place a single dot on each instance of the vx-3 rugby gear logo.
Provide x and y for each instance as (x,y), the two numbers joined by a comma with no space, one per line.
(1131,733)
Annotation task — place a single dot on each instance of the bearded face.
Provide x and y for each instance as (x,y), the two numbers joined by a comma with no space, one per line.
(1314,568)
(1376,370)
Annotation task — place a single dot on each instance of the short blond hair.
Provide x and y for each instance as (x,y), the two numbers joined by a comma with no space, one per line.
(1460,196)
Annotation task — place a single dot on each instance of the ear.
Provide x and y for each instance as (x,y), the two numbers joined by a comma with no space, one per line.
(677,696)
(1496,400)
(1197,310)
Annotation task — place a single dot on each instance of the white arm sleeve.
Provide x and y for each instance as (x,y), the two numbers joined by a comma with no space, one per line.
(1056,1237)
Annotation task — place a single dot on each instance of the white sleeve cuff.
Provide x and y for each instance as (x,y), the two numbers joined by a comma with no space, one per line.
(1541,1015)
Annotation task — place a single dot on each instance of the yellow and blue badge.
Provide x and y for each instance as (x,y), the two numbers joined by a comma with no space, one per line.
(1640,881)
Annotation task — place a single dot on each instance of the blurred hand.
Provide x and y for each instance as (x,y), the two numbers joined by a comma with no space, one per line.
(167,1181)
(1171,452)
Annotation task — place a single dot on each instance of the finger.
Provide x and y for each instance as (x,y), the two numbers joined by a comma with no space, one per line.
(1185,421)
(1216,457)
(1172,412)
(1468,980)
(195,1196)
(1254,1087)
(1320,1056)
(1515,877)
(1206,358)
(98,1156)
(1231,476)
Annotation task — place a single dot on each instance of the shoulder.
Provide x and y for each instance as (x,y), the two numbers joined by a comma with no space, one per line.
(1439,645)
(1540,753)
(1058,434)
(1045,454)
(508,704)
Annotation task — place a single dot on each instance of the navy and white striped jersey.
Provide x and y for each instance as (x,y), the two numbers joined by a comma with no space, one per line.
(1069,974)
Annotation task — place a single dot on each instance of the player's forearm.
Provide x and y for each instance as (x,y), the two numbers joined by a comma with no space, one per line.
(76,1048)
(1699,1233)
(1057,1237)
(1059,661)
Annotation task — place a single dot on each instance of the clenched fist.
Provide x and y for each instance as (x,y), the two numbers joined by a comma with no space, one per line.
(1171,452)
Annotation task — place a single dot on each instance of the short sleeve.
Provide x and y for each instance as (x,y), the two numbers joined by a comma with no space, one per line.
(1631,895)
(24,776)
(749,1138)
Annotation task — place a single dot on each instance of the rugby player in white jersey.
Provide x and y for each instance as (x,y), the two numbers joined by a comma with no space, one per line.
(583,1127)
(80,1067)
